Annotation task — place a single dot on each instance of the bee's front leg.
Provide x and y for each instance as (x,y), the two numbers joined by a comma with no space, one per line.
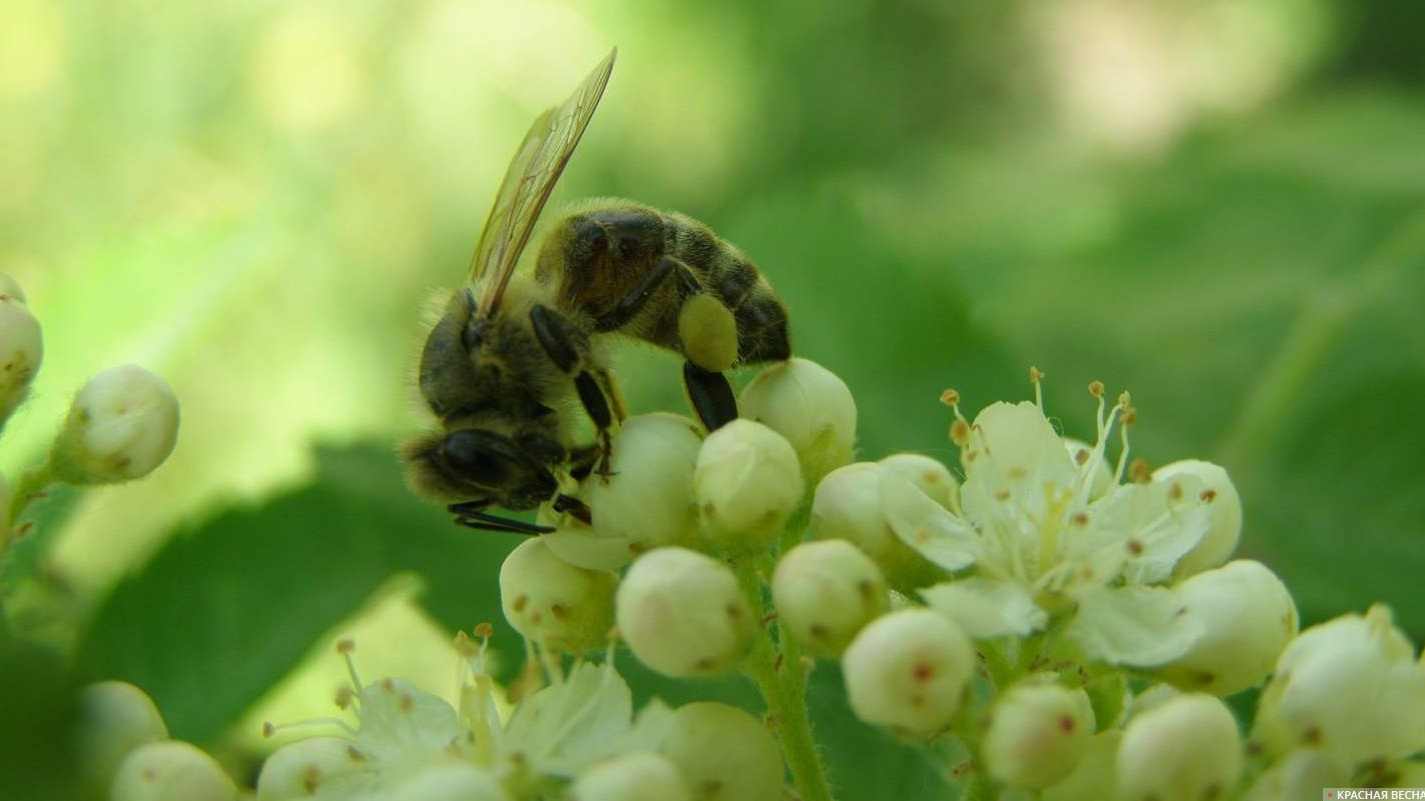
(568,348)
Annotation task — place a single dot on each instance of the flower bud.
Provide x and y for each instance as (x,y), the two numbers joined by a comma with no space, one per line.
(724,754)
(121,426)
(21,348)
(115,718)
(1247,616)
(171,771)
(847,506)
(639,776)
(451,781)
(302,768)
(747,484)
(927,474)
(11,291)
(648,499)
(908,670)
(1224,528)
(1037,735)
(1185,749)
(1350,687)
(683,614)
(1093,779)
(553,603)
(825,592)
(810,406)
(1301,774)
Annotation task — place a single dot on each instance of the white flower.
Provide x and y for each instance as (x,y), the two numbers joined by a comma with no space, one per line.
(171,771)
(724,754)
(1247,616)
(847,506)
(1042,535)
(1037,735)
(1184,749)
(683,614)
(810,406)
(747,484)
(121,426)
(554,603)
(115,718)
(824,592)
(1350,687)
(908,670)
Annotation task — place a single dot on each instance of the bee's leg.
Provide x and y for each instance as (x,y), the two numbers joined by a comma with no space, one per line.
(481,521)
(711,396)
(574,506)
(568,348)
(583,459)
(614,394)
(632,303)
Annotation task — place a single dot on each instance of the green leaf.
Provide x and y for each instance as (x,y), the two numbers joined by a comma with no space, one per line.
(226,609)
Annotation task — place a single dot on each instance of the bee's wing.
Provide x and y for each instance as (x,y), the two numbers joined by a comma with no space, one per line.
(529,181)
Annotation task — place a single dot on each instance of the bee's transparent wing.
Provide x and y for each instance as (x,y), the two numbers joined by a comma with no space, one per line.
(528,183)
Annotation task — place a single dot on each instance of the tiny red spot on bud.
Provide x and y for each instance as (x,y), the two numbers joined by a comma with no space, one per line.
(1208,495)
(1066,724)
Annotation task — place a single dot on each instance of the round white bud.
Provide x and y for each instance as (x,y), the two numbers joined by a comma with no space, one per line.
(21,349)
(908,670)
(927,474)
(301,768)
(648,499)
(1247,616)
(1301,774)
(825,592)
(1185,749)
(810,406)
(683,614)
(639,776)
(554,603)
(115,718)
(1037,735)
(171,771)
(747,484)
(121,426)
(450,781)
(847,506)
(1224,526)
(724,754)
(11,291)
(1350,687)
(1093,779)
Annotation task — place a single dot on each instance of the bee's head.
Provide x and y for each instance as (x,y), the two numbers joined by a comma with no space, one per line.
(472,464)
(448,380)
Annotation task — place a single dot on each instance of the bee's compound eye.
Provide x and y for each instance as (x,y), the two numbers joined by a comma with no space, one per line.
(475,456)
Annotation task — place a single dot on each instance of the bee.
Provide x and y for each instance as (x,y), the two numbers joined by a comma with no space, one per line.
(516,352)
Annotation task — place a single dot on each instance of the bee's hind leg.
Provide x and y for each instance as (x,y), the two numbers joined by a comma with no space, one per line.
(711,396)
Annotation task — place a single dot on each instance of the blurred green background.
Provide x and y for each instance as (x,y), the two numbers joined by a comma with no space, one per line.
(1217,204)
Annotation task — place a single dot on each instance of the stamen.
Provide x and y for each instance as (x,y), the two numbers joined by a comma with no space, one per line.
(1037,379)
(269,729)
(345,646)
(1140,472)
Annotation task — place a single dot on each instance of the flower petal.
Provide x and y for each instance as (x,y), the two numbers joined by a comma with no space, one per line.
(986,608)
(925,525)
(1134,625)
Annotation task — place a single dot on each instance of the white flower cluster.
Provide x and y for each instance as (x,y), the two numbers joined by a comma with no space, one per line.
(122,424)
(1074,619)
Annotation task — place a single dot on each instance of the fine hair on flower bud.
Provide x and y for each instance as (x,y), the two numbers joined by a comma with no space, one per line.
(21,348)
(724,754)
(1037,735)
(810,406)
(171,771)
(1225,521)
(683,614)
(1184,749)
(847,506)
(1351,687)
(115,718)
(747,484)
(648,499)
(302,768)
(639,776)
(825,592)
(908,670)
(553,603)
(122,424)
(1247,617)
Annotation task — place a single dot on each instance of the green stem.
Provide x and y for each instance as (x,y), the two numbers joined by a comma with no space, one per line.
(980,787)
(31,485)
(782,682)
